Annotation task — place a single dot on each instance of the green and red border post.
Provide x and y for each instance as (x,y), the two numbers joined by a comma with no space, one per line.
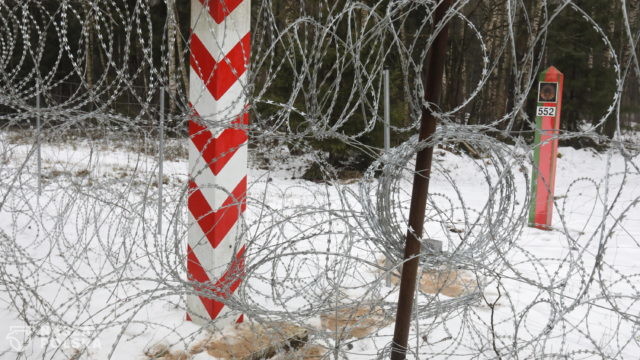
(543,178)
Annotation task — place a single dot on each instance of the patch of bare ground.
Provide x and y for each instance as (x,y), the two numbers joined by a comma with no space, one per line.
(355,322)
(164,352)
(445,281)
(307,352)
(256,341)
(452,283)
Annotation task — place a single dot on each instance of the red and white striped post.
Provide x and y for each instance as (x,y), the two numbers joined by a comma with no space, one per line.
(220,48)
(543,178)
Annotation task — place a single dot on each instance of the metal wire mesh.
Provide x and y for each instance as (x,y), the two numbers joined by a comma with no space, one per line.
(93,230)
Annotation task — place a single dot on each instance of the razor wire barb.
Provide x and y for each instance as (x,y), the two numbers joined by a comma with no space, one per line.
(87,272)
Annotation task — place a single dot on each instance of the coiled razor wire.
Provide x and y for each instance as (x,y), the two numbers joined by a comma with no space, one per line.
(92,268)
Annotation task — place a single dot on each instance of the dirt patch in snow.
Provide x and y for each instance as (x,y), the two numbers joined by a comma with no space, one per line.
(254,341)
(355,322)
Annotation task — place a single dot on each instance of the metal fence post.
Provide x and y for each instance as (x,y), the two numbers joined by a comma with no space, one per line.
(387,112)
(387,137)
(433,88)
(160,160)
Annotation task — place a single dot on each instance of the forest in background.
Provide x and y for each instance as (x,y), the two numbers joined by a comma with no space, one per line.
(159,48)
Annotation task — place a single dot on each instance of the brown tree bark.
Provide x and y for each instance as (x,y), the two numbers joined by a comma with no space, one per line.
(88,46)
(172,33)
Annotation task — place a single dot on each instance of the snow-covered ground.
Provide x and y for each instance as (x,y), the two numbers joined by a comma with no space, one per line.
(83,268)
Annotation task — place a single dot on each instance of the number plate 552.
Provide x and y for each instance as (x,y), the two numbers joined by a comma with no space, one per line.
(546,111)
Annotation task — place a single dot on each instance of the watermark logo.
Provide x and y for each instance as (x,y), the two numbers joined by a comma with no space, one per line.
(17,337)
(60,338)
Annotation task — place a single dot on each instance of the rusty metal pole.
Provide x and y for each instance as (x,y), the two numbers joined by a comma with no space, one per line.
(433,88)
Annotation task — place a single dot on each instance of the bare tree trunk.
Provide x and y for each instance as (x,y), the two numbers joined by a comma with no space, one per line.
(611,123)
(184,68)
(407,104)
(290,11)
(528,59)
(88,46)
(630,56)
(494,43)
(634,23)
(172,33)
